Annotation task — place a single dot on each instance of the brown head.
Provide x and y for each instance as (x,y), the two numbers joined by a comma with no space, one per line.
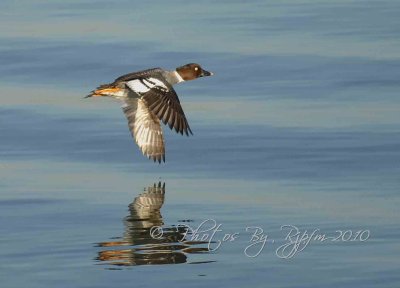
(192,71)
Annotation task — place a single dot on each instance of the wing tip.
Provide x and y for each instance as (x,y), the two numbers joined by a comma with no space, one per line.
(190,131)
(157,158)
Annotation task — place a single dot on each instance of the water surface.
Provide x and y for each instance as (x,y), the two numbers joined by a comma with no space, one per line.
(299,126)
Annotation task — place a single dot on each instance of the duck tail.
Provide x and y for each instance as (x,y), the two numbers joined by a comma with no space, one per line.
(102,90)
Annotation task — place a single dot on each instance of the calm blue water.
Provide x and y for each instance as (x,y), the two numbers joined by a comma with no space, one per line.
(299,126)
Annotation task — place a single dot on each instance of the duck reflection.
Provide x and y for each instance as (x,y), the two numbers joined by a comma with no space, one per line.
(145,249)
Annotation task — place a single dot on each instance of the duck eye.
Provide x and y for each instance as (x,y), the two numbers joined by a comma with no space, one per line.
(196,68)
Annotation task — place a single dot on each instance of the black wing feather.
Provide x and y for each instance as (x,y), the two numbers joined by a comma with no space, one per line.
(137,75)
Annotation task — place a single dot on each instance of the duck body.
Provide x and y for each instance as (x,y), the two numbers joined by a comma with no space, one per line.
(149,99)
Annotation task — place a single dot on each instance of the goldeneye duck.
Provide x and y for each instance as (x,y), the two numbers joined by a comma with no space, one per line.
(149,98)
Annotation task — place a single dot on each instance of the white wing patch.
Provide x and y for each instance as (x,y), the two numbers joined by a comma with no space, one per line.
(146,129)
(141,86)
(137,86)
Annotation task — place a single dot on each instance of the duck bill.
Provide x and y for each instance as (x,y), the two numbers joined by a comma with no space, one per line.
(206,73)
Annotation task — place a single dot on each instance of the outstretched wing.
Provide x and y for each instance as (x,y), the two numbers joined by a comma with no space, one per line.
(162,100)
(145,128)
(138,74)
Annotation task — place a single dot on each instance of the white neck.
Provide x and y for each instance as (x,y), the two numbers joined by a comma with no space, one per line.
(178,77)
